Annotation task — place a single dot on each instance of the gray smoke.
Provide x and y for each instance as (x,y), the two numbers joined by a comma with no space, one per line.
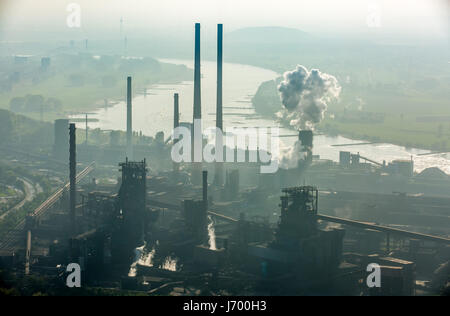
(305,95)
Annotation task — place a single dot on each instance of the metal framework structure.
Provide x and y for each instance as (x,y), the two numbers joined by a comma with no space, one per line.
(132,198)
(298,218)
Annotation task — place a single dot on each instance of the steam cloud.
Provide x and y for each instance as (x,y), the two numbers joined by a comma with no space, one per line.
(305,95)
(291,155)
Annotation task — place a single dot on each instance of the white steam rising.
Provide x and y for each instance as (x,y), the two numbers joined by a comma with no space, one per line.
(304,95)
(291,155)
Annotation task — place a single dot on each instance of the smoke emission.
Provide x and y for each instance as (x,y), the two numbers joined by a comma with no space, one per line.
(291,155)
(305,94)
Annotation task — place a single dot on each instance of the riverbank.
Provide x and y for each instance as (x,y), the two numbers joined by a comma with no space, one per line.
(408,129)
(83,83)
(154,112)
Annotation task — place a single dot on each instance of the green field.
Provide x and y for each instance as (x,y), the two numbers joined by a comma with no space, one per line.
(402,117)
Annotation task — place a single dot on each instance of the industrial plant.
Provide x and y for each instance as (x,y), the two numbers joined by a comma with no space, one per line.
(136,221)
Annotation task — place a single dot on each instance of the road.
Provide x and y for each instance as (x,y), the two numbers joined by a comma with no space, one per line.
(30,193)
(13,238)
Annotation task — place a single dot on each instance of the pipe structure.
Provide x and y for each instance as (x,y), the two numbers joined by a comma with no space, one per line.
(385,229)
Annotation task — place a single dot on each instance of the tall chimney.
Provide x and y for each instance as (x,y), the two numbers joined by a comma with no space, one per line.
(176,123)
(219,122)
(86,129)
(72,176)
(218,172)
(197,76)
(203,222)
(176,111)
(205,187)
(306,139)
(129,121)
(197,143)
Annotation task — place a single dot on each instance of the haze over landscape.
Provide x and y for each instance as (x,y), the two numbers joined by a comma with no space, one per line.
(413,18)
(355,93)
(373,48)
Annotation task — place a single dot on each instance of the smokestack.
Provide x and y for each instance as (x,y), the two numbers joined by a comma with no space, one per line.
(129,121)
(197,79)
(218,174)
(205,187)
(86,129)
(176,111)
(28,253)
(72,176)
(197,143)
(176,123)
(306,139)
(219,122)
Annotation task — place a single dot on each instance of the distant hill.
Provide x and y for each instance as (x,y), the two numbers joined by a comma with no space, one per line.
(267,46)
(267,34)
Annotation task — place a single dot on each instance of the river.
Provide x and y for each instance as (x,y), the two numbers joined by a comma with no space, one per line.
(154,112)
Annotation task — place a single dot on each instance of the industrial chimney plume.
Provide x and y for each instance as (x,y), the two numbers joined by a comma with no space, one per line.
(305,94)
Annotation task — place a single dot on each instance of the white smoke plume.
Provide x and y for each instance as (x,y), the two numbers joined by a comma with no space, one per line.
(211,234)
(291,155)
(304,95)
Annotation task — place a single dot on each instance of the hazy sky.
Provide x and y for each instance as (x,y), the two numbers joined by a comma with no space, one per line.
(34,18)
